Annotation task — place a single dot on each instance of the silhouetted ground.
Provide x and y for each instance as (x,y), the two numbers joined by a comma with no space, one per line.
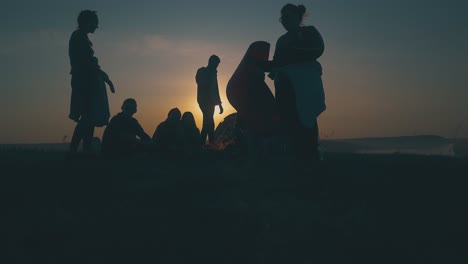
(347,209)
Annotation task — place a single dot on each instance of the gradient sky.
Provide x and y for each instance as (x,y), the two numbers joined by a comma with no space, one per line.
(390,67)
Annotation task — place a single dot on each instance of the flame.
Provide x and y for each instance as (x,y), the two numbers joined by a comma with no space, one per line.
(222,143)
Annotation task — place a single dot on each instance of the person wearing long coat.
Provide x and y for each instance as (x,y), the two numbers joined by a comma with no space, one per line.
(250,95)
(89,106)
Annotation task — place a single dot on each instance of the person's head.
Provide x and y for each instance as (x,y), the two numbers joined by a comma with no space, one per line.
(213,62)
(129,107)
(259,50)
(88,21)
(174,114)
(188,120)
(291,16)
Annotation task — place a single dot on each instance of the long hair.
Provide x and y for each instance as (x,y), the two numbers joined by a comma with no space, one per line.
(188,120)
(297,9)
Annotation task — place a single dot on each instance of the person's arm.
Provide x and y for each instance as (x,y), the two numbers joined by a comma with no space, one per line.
(218,98)
(127,137)
(266,66)
(104,75)
(108,81)
(199,76)
(221,109)
(142,134)
(312,45)
(307,54)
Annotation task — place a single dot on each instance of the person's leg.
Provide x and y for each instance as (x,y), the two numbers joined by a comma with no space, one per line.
(84,130)
(305,142)
(78,134)
(88,136)
(315,155)
(286,107)
(211,124)
(203,132)
(88,117)
(76,111)
(208,124)
(82,109)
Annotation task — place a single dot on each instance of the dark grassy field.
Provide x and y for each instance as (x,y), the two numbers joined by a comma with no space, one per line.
(347,209)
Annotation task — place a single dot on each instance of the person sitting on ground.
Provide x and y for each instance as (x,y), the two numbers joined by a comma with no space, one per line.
(191,134)
(124,135)
(168,135)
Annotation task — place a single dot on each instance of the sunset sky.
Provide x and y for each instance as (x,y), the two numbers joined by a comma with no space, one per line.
(391,68)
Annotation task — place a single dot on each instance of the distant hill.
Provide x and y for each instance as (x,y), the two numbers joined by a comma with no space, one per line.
(423,145)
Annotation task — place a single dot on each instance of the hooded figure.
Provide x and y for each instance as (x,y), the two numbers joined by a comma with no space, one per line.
(168,135)
(249,94)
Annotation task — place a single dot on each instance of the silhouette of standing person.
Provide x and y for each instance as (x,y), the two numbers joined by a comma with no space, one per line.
(208,97)
(89,106)
(299,94)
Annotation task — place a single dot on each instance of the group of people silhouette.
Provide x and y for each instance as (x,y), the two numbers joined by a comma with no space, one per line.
(292,113)
(124,135)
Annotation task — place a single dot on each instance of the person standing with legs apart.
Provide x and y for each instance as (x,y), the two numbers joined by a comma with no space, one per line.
(208,97)
(89,106)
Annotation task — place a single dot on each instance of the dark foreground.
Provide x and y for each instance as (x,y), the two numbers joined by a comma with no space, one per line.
(347,209)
